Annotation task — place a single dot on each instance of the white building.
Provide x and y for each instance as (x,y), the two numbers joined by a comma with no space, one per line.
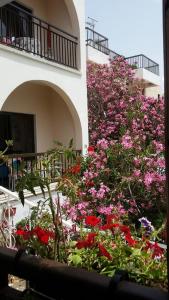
(43,74)
(145,69)
(43,94)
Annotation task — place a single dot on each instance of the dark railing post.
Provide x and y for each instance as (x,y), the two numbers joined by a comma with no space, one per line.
(3,278)
(166,94)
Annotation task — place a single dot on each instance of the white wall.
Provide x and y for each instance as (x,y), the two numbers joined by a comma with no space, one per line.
(152,91)
(18,67)
(96,56)
(53,120)
(54,12)
(147,76)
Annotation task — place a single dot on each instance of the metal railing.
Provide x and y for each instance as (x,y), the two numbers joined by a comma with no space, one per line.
(11,170)
(24,31)
(53,280)
(99,42)
(142,61)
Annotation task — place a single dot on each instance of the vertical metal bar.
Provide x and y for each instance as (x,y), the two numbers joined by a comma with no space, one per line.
(61,52)
(40,27)
(53,45)
(166,93)
(71,54)
(75,55)
(33,36)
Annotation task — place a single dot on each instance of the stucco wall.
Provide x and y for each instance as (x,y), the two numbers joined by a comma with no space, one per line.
(18,67)
(152,91)
(54,12)
(53,120)
(96,56)
(63,124)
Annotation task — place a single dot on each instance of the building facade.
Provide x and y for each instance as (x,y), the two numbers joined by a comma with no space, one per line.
(43,74)
(146,70)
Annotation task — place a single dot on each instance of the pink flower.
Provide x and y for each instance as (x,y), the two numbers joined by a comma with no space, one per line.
(136,173)
(103,144)
(148,179)
(127,142)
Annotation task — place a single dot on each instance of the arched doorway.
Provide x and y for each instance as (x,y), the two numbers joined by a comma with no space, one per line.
(40,113)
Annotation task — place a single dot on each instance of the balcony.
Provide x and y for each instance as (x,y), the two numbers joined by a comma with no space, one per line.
(21,30)
(142,61)
(100,43)
(11,170)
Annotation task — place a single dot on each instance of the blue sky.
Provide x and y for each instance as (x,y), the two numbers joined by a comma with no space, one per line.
(132,26)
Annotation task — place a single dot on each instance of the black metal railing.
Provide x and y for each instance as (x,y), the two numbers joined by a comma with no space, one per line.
(99,42)
(142,61)
(11,170)
(53,280)
(23,31)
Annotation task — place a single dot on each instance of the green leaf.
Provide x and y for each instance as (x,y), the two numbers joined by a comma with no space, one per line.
(71,143)
(75,259)
(136,252)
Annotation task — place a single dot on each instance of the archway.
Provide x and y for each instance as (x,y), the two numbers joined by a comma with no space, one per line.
(55,117)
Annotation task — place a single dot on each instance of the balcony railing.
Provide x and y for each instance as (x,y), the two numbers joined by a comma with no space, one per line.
(99,42)
(11,170)
(142,61)
(52,280)
(23,31)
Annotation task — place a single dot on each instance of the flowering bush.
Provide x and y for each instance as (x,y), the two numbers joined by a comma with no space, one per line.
(120,180)
(102,246)
(125,166)
(113,177)
(118,110)
(36,234)
(112,246)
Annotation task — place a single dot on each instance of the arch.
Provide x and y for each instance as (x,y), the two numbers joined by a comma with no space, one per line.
(51,99)
(75,26)
(73,16)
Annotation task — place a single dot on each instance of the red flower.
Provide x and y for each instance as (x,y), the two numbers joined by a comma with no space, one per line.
(20,232)
(43,235)
(109,218)
(148,245)
(44,239)
(75,169)
(90,149)
(90,238)
(104,252)
(109,226)
(27,235)
(115,225)
(82,244)
(125,229)
(89,183)
(92,220)
(130,240)
(106,227)
(88,242)
(157,250)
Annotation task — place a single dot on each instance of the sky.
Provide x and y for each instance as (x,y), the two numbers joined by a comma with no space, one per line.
(132,26)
